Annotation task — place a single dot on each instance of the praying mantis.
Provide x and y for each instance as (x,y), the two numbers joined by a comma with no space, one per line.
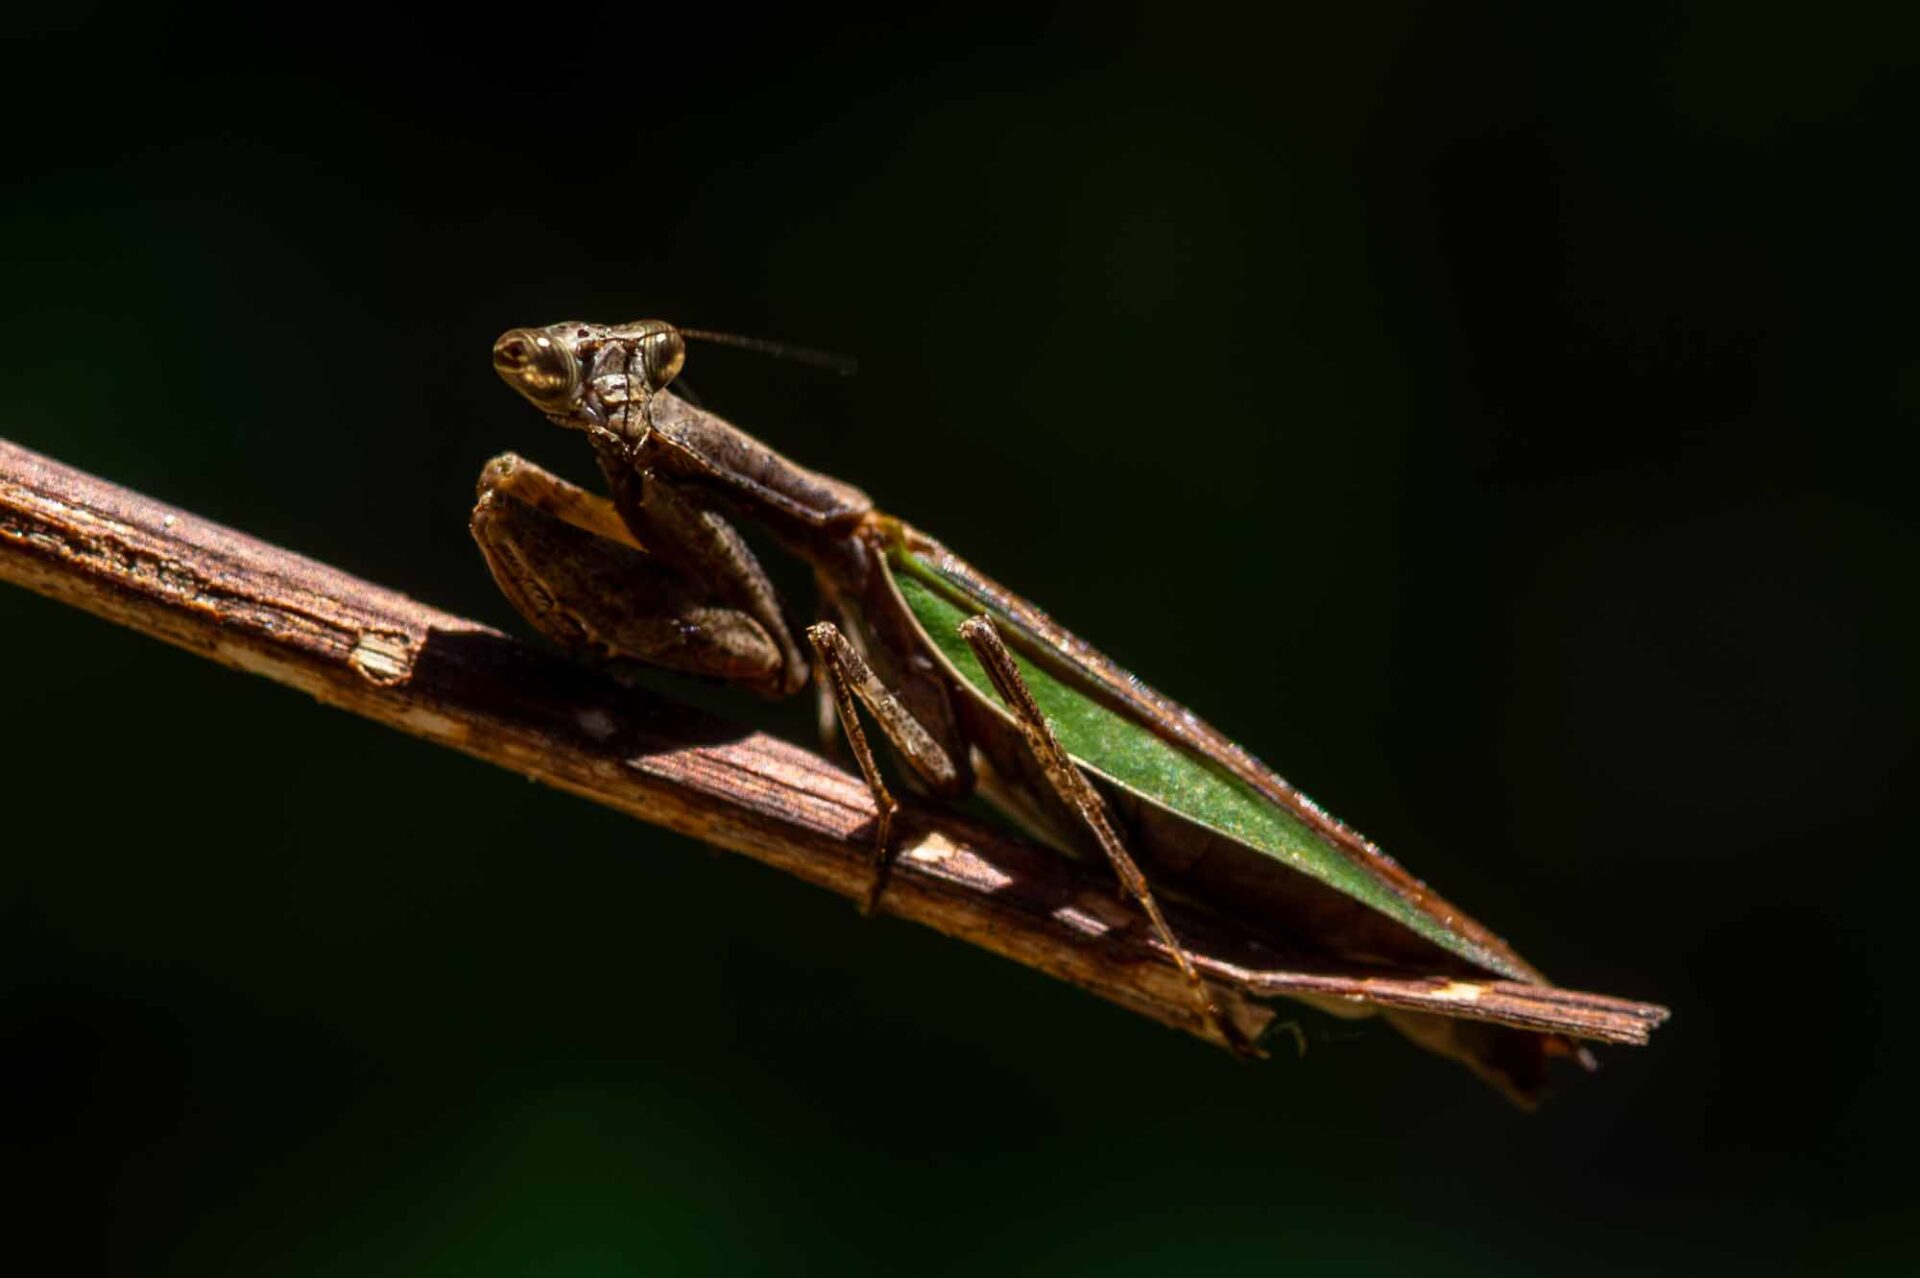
(974,689)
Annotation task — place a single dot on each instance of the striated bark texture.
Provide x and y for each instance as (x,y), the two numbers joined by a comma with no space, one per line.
(460,684)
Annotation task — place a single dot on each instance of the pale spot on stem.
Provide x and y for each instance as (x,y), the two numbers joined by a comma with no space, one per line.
(382,657)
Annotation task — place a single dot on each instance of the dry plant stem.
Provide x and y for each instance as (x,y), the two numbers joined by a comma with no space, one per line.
(379,654)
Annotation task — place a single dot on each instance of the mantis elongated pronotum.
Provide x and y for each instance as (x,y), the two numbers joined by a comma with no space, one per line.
(973,687)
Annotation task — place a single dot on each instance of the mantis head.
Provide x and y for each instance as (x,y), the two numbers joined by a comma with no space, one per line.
(567,370)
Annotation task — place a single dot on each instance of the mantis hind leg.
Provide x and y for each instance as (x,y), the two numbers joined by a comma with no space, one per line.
(1073,789)
(567,562)
(849,677)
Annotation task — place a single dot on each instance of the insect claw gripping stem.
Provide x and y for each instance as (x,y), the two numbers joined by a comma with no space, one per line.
(881,860)
(1069,783)
(834,658)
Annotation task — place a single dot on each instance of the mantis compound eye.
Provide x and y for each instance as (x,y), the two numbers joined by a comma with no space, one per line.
(662,354)
(541,368)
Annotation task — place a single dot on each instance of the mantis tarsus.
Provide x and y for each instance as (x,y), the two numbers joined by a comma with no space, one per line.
(973,688)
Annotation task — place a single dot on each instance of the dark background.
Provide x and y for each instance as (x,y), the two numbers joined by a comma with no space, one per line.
(1497,421)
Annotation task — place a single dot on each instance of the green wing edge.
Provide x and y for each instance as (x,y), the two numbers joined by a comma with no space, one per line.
(1139,759)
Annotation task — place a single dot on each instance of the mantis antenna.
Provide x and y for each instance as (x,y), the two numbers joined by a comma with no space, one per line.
(827,361)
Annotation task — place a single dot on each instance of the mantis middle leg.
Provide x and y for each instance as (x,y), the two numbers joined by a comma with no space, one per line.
(850,678)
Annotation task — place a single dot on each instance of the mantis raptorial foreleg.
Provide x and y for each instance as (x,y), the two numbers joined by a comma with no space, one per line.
(511,475)
(849,677)
(1073,789)
(568,563)
(679,525)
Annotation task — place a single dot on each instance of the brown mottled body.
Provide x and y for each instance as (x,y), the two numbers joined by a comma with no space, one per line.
(659,573)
